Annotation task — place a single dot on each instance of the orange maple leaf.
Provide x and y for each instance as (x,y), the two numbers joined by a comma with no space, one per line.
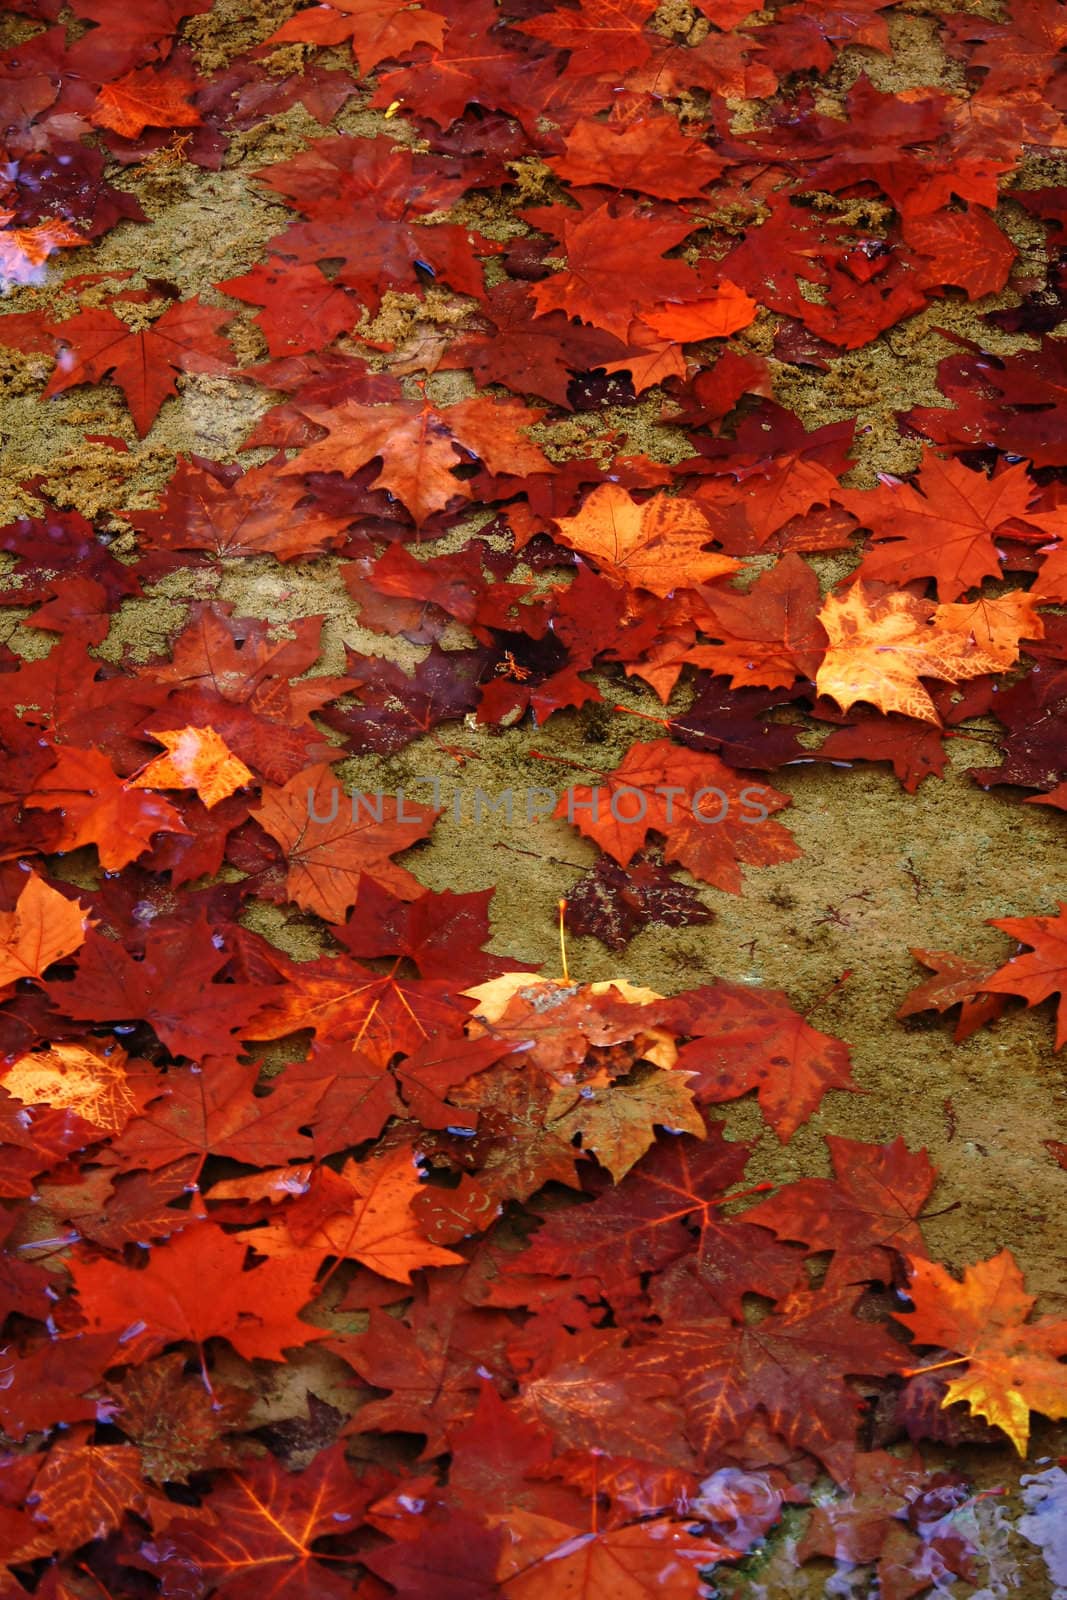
(944,532)
(420,445)
(713,316)
(145,99)
(656,545)
(101,808)
(331,839)
(1042,971)
(76,1077)
(710,818)
(881,645)
(378,30)
(1013,1367)
(23,251)
(44,927)
(548,1560)
(197,758)
(995,625)
(195,1287)
(363,1214)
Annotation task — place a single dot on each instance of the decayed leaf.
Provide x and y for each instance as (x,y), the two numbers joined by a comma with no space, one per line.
(881,645)
(1013,1366)
(44,927)
(197,758)
(657,545)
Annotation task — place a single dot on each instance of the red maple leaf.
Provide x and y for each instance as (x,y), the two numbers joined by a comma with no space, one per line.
(145,364)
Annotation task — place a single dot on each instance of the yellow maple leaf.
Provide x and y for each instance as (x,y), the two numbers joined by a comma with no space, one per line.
(75,1077)
(657,545)
(882,645)
(197,758)
(1013,1367)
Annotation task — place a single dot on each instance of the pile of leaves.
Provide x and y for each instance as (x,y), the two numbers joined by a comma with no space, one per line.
(568,1350)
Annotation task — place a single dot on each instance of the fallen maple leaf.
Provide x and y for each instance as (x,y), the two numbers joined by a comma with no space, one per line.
(145,364)
(710,820)
(364,1215)
(420,446)
(101,808)
(264,1523)
(881,645)
(195,1288)
(378,30)
(1040,973)
(88,1079)
(650,154)
(615,269)
(197,758)
(995,626)
(23,251)
(873,1204)
(747,1039)
(44,927)
(957,981)
(655,1560)
(943,532)
(145,99)
(1013,1366)
(770,635)
(601,35)
(331,839)
(656,545)
(712,316)
(83,1491)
